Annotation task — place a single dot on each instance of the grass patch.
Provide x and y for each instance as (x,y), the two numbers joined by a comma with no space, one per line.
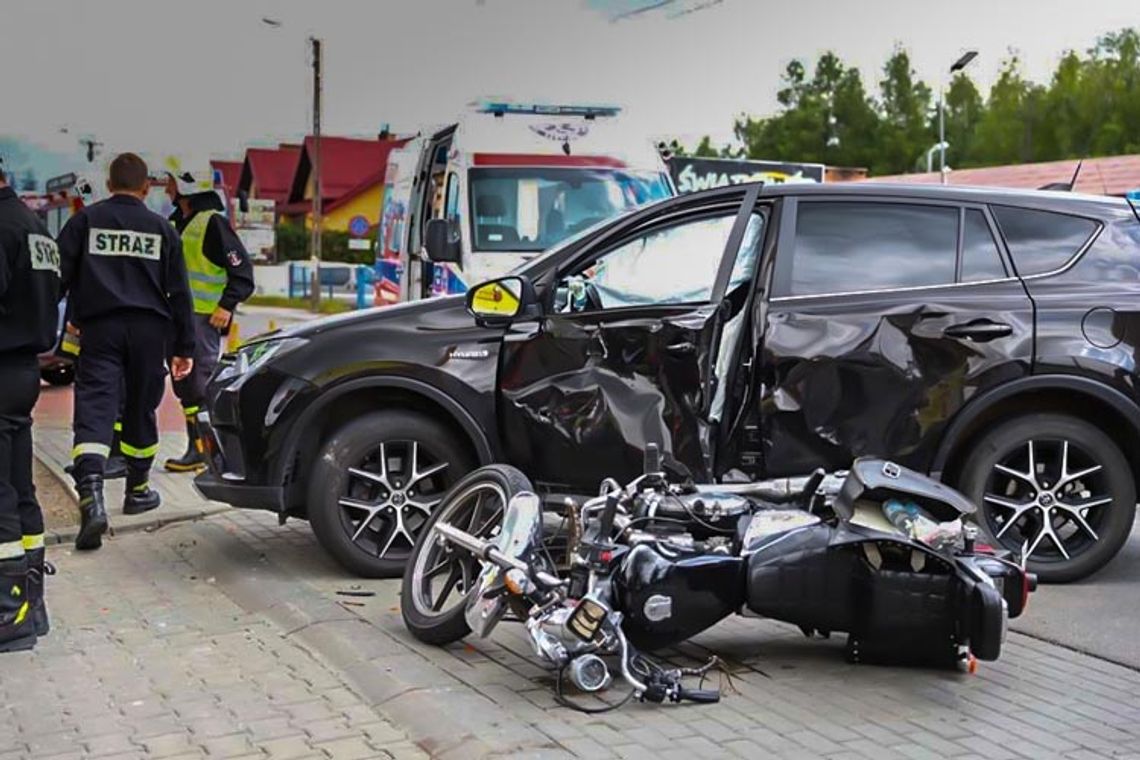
(327,306)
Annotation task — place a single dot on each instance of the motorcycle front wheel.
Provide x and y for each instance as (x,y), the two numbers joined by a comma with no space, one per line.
(438,575)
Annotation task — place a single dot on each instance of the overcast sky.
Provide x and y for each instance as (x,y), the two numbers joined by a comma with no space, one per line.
(209,76)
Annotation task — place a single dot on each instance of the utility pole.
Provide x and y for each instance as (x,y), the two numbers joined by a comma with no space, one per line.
(315,287)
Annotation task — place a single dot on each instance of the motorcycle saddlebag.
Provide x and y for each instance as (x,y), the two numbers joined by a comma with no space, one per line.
(825,580)
(879,480)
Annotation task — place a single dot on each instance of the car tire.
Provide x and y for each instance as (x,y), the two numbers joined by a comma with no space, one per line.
(59,376)
(1091,516)
(447,623)
(358,519)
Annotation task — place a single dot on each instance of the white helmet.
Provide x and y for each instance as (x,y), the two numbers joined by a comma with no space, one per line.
(190,177)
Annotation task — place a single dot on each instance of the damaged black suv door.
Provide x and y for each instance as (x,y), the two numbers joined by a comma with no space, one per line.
(885,316)
(626,352)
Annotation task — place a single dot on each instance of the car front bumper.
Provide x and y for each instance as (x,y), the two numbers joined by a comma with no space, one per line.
(239,494)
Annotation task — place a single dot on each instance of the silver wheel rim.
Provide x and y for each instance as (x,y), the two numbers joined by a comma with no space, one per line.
(1048,499)
(441,573)
(389,496)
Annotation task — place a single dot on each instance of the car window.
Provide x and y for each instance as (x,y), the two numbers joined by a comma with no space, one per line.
(851,246)
(1041,241)
(676,264)
(980,257)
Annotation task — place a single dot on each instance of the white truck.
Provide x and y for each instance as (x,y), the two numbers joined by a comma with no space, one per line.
(474,199)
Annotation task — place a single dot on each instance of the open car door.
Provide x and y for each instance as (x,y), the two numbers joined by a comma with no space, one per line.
(628,351)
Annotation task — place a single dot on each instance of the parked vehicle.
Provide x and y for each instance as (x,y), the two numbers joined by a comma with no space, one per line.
(985,337)
(57,366)
(879,553)
(476,198)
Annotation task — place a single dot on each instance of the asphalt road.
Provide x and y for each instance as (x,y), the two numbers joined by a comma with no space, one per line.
(1099,615)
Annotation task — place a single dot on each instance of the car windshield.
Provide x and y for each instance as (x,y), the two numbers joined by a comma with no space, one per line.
(531,209)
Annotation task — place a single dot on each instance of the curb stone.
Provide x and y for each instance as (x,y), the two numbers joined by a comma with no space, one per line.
(168,514)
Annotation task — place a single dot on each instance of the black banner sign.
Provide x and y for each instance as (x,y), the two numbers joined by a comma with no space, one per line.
(692,174)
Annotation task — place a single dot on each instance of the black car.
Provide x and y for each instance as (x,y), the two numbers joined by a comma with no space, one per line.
(987,337)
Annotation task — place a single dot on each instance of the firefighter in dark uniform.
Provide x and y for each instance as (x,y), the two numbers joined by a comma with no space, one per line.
(221,277)
(29,321)
(126,281)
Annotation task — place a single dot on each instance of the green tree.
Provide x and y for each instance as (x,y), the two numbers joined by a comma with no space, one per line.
(827,119)
(1013,118)
(904,103)
(705,148)
(964,109)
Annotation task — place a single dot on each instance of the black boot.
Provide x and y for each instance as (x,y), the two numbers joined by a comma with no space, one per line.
(140,498)
(17,631)
(192,460)
(92,513)
(37,570)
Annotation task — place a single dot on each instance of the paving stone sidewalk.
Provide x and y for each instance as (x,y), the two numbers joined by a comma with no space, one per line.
(789,697)
(148,658)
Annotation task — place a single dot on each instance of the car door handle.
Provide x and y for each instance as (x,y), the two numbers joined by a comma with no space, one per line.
(979,331)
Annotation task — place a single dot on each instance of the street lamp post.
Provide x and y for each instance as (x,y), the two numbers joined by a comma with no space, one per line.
(959,64)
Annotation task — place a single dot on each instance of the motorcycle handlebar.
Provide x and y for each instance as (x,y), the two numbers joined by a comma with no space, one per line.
(488,551)
(705,696)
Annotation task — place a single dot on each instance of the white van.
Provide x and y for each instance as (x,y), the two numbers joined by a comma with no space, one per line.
(475,199)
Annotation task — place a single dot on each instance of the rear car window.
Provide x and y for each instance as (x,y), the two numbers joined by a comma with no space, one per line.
(980,257)
(1042,241)
(844,246)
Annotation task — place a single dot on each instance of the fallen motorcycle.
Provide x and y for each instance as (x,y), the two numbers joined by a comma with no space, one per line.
(880,553)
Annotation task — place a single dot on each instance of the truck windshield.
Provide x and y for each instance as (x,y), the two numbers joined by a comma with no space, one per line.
(531,209)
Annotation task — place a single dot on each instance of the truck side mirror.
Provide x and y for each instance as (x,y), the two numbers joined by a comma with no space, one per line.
(441,241)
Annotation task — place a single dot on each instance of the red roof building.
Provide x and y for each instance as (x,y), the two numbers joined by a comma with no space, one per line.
(230,173)
(267,173)
(352,179)
(1110,175)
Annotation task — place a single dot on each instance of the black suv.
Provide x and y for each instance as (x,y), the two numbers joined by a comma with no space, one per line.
(987,337)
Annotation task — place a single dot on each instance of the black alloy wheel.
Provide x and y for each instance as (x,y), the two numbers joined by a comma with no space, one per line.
(371,494)
(391,493)
(1054,489)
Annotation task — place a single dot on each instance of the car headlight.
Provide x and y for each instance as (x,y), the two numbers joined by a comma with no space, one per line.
(252,356)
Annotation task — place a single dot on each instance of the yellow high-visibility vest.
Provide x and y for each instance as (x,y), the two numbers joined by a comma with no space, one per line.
(207,279)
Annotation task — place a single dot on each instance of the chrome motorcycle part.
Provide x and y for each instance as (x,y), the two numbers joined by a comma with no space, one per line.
(658,607)
(589,673)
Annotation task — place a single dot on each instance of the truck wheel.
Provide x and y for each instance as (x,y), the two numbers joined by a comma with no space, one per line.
(1055,486)
(438,576)
(375,484)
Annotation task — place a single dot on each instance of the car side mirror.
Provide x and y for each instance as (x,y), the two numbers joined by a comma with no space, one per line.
(243,201)
(499,302)
(441,241)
